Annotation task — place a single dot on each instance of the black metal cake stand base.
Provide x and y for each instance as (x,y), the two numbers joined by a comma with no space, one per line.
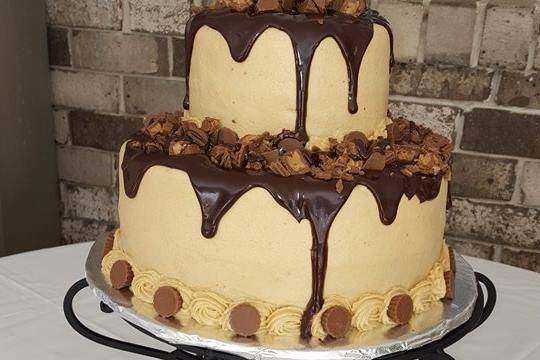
(432,351)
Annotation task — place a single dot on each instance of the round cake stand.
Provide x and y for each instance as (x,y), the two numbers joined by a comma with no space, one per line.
(433,351)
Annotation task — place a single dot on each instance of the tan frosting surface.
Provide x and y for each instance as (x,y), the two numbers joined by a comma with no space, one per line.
(260,251)
(259,94)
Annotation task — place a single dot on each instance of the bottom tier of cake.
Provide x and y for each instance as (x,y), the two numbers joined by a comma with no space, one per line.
(177,301)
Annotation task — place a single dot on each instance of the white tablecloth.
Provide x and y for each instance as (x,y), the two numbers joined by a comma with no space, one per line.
(32,324)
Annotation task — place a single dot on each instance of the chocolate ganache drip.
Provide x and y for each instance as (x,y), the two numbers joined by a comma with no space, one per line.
(241,30)
(304,197)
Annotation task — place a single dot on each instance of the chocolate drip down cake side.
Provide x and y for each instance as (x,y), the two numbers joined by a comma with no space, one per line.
(284,200)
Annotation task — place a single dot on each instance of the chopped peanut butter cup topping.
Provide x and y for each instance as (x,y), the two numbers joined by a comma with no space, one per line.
(121,275)
(400,309)
(409,148)
(268,5)
(167,301)
(336,321)
(245,319)
(320,7)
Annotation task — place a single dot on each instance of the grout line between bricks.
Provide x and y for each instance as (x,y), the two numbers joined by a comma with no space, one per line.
(86,148)
(463,104)
(125,16)
(171,55)
(121,94)
(479,23)
(495,156)
(497,252)
(115,73)
(533,41)
(513,248)
(495,86)
(70,47)
(517,195)
(458,130)
(114,172)
(65,182)
(486,243)
(422,42)
(494,202)
(121,32)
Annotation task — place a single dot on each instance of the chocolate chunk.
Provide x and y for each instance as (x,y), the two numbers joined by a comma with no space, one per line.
(279,169)
(288,5)
(416,138)
(452,259)
(169,127)
(352,7)
(407,153)
(321,174)
(153,147)
(109,243)
(312,6)
(238,5)
(355,137)
(210,125)
(192,149)
(255,166)
(295,162)
(177,147)
(222,156)
(167,301)
(430,163)
(239,158)
(376,161)
(334,5)
(267,6)
(398,130)
(227,136)
(336,321)
(390,156)
(245,319)
(361,142)
(271,156)
(289,144)
(449,280)
(121,275)
(198,136)
(400,309)
(153,128)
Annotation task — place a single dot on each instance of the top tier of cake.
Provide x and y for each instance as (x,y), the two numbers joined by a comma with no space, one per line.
(254,71)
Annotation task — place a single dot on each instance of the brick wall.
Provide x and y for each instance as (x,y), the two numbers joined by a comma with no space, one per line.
(466,68)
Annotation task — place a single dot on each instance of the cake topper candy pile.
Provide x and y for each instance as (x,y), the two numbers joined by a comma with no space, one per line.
(320,7)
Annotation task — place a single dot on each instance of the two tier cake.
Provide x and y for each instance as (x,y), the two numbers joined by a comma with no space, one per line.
(284,200)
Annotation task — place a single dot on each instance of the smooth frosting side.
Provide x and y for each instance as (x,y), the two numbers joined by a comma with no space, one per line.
(209,308)
(362,249)
(259,94)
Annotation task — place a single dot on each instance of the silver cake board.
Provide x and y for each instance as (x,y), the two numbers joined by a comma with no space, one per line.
(424,338)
